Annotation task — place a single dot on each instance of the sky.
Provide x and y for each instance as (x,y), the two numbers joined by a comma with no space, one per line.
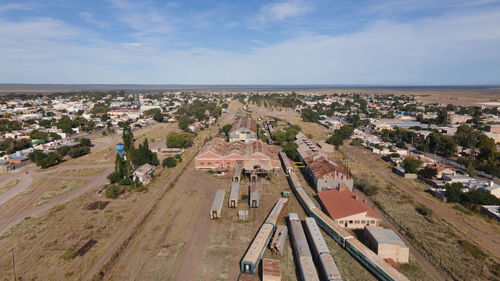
(337,42)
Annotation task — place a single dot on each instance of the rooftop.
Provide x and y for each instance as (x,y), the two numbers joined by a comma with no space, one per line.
(343,203)
(385,236)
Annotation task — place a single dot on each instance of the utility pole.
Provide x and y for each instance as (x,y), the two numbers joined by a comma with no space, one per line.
(13,265)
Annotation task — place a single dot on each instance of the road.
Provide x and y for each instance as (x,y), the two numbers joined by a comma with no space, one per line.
(94,182)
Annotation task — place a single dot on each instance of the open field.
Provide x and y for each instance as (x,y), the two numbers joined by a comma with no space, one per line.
(8,185)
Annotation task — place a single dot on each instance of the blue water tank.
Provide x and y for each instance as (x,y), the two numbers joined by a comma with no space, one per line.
(119,148)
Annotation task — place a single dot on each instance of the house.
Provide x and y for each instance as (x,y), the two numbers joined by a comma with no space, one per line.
(347,209)
(244,129)
(491,211)
(218,154)
(386,244)
(144,173)
(443,170)
(401,171)
(457,178)
(321,171)
(18,159)
(492,188)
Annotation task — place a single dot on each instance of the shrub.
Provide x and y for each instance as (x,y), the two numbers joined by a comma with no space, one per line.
(169,162)
(112,191)
(211,171)
(470,248)
(126,181)
(69,255)
(424,211)
(114,177)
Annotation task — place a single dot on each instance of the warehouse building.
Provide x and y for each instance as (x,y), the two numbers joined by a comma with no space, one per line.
(244,129)
(321,171)
(347,209)
(218,154)
(386,244)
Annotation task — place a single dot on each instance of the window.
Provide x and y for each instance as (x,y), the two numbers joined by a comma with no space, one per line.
(363,222)
(202,163)
(209,163)
(356,222)
(373,221)
(341,222)
(350,221)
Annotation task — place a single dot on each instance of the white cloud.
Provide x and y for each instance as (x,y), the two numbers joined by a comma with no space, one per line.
(14,6)
(88,17)
(450,49)
(279,11)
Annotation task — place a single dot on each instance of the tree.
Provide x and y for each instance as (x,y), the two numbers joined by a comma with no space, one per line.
(279,136)
(345,131)
(225,105)
(336,140)
(85,142)
(127,136)
(179,140)
(63,150)
(183,122)
(226,128)
(66,124)
(453,192)
(428,172)
(54,136)
(52,159)
(467,136)
(36,156)
(76,152)
(39,135)
(169,162)
(411,165)
(290,149)
(308,115)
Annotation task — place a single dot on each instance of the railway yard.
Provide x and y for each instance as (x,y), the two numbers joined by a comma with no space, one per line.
(187,225)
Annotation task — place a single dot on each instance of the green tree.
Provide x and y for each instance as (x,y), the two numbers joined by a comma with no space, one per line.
(428,172)
(290,149)
(169,162)
(66,124)
(308,115)
(179,140)
(411,165)
(127,136)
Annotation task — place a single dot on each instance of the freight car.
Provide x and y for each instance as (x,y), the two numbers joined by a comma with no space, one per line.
(328,268)
(254,253)
(375,264)
(302,252)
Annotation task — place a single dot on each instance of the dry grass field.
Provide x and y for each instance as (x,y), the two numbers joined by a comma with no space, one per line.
(8,185)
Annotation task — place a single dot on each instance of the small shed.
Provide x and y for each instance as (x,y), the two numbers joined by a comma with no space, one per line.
(386,244)
(254,195)
(243,215)
(216,210)
(144,173)
(271,270)
(234,194)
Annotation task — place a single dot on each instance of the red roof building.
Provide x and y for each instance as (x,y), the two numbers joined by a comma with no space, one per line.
(218,154)
(347,209)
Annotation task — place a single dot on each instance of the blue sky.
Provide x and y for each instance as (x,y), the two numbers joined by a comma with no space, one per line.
(396,42)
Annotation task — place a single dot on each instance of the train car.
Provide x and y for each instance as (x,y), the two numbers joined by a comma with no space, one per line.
(278,242)
(302,252)
(254,195)
(234,194)
(305,200)
(277,212)
(294,180)
(330,227)
(216,210)
(286,162)
(328,268)
(377,266)
(254,253)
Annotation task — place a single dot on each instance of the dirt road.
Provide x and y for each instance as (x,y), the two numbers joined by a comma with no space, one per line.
(488,241)
(94,182)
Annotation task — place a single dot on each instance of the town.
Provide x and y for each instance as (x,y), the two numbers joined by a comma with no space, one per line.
(197,184)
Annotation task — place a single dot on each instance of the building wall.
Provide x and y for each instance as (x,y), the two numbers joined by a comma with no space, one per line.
(358,221)
(396,252)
